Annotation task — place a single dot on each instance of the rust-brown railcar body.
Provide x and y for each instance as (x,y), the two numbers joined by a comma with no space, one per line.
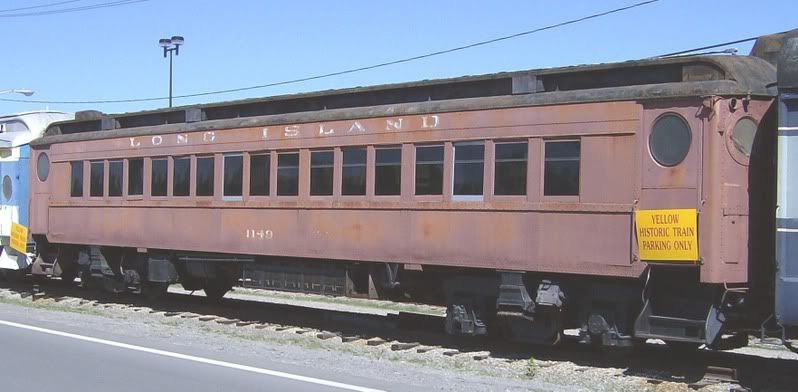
(532,262)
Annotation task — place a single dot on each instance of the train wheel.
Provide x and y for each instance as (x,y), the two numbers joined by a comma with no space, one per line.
(215,290)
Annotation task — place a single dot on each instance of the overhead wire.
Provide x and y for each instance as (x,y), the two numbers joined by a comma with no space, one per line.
(40,6)
(73,9)
(352,70)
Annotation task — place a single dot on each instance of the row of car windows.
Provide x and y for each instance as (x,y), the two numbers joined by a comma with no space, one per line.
(561,172)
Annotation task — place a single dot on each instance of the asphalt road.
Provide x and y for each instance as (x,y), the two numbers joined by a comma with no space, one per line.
(49,347)
(48,358)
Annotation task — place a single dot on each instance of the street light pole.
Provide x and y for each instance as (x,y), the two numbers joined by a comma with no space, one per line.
(170,78)
(170,45)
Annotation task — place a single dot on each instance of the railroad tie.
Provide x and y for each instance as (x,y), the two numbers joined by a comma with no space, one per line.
(403,346)
(426,349)
(480,356)
(326,335)
(375,342)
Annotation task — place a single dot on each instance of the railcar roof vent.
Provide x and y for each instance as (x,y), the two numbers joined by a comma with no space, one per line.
(748,73)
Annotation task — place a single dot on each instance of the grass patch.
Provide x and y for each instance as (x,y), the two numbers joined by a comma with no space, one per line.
(366,303)
(532,367)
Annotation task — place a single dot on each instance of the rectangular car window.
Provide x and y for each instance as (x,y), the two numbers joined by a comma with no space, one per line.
(135,177)
(321,173)
(469,165)
(76,185)
(182,173)
(96,179)
(388,171)
(159,173)
(353,182)
(288,174)
(233,175)
(259,166)
(510,169)
(204,176)
(115,179)
(561,173)
(429,170)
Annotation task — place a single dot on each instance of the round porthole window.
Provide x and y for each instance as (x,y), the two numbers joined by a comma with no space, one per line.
(743,135)
(43,167)
(7,187)
(669,141)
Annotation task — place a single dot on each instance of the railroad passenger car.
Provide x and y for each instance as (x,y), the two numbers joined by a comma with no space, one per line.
(16,131)
(631,200)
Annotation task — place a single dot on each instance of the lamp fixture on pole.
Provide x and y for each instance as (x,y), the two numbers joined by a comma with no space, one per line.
(170,45)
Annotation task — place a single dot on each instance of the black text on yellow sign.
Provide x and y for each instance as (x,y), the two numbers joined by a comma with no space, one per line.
(667,235)
(19,238)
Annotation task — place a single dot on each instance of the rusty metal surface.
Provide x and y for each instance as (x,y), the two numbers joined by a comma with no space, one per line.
(729,199)
(554,121)
(507,232)
(483,239)
(588,234)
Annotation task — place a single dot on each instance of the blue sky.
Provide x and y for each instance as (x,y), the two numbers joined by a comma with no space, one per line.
(113,53)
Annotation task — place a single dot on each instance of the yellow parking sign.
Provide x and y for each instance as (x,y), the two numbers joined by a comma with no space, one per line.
(19,238)
(667,235)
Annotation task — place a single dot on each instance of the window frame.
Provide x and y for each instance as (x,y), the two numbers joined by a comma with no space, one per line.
(127,181)
(171,174)
(166,179)
(122,178)
(195,178)
(82,165)
(226,197)
(268,155)
(527,170)
(542,186)
(429,196)
(364,165)
(103,184)
(399,165)
(298,168)
(482,143)
(331,166)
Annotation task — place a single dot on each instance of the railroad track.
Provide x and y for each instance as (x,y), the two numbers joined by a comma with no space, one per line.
(422,334)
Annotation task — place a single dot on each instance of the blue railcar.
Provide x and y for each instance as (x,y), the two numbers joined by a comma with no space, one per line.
(16,132)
